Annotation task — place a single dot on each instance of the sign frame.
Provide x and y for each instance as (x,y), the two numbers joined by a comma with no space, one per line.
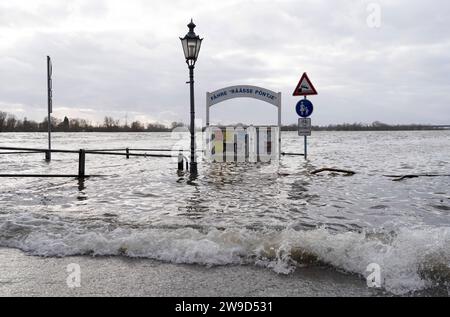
(245,91)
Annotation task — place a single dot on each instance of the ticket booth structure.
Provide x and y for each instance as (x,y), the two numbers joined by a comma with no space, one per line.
(243,143)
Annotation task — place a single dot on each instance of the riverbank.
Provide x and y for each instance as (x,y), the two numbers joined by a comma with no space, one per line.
(24,275)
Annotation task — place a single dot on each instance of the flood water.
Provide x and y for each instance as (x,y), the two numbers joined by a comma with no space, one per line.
(276,215)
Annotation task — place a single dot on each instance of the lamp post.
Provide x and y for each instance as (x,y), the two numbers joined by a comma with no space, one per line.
(191,47)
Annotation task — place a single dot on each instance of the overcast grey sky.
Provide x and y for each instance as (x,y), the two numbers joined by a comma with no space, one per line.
(369,60)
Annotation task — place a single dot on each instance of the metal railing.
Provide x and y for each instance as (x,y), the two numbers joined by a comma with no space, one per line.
(81,158)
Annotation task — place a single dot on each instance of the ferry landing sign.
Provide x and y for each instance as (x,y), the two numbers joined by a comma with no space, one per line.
(243,91)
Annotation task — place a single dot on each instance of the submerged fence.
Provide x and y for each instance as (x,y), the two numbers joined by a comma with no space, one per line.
(127,152)
(82,158)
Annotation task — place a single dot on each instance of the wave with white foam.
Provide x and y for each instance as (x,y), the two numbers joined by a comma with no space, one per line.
(411,259)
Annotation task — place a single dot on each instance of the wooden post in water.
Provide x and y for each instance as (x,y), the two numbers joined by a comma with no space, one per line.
(48,154)
(180,161)
(127,150)
(81,163)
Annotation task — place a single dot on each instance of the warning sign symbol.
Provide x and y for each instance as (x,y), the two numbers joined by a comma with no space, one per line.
(304,87)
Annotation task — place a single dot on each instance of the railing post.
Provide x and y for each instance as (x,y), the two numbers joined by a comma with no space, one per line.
(81,163)
(180,161)
(127,150)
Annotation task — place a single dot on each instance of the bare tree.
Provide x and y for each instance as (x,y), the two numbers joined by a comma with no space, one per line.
(137,126)
(110,123)
(176,125)
(11,122)
(3,116)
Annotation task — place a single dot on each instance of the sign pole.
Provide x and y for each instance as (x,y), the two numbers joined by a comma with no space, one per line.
(306,145)
(48,154)
(304,109)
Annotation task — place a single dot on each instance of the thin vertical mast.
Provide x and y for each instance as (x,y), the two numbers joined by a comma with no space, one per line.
(48,155)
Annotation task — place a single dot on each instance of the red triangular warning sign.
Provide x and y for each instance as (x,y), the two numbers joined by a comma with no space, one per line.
(304,87)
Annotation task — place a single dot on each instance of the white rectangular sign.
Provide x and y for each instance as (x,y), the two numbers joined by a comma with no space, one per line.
(304,126)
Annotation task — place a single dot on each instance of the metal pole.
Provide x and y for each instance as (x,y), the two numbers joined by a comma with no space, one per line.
(279,124)
(207,109)
(306,147)
(180,161)
(193,166)
(81,163)
(48,155)
(306,144)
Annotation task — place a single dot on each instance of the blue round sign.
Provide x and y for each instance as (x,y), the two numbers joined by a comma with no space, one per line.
(304,108)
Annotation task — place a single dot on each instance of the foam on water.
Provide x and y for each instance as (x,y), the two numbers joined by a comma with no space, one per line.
(411,259)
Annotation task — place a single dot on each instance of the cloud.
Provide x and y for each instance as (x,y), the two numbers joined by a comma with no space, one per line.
(118,58)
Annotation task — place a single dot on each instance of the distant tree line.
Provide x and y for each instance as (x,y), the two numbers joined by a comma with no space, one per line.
(10,123)
(374,126)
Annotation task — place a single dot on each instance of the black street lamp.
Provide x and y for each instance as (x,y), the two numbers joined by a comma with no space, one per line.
(191,46)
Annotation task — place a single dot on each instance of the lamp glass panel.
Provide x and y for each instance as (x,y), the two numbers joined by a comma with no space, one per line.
(192,48)
(199,44)
(184,43)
